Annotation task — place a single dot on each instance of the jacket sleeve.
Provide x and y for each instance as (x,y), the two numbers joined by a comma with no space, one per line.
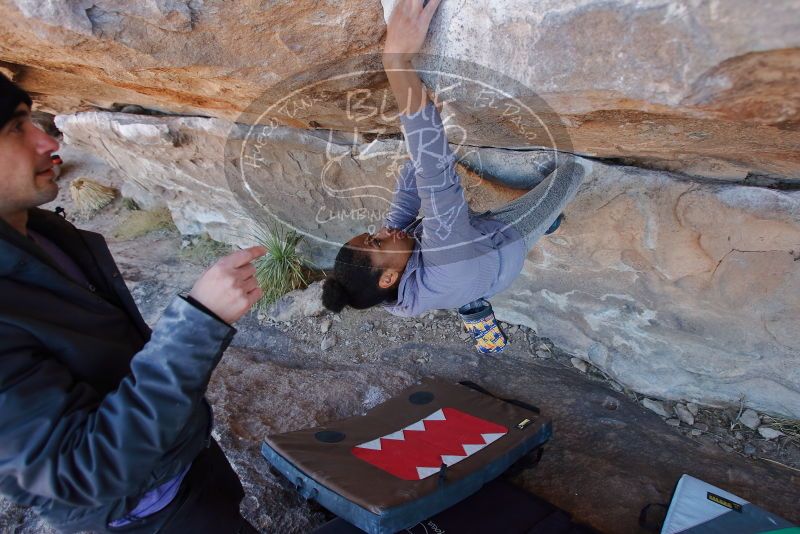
(447,233)
(60,440)
(405,201)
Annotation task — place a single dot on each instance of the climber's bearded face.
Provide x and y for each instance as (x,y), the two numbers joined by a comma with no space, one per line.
(27,178)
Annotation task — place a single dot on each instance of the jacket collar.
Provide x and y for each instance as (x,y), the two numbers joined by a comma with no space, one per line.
(15,247)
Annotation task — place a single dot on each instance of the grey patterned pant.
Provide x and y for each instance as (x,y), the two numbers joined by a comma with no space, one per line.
(533,213)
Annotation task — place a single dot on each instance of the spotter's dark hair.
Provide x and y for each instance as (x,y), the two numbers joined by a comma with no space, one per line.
(11,96)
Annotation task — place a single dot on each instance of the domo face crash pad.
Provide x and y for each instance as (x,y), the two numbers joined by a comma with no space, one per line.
(409,458)
(700,508)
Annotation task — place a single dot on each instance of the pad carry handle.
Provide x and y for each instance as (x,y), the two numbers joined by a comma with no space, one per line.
(305,492)
(522,404)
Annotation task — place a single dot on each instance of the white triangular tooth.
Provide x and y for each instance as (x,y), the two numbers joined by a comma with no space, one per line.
(396,435)
(471,449)
(375,445)
(438,415)
(491,438)
(425,472)
(448,459)
(419,425)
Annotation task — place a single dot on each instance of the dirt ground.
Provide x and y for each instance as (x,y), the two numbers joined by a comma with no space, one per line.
(609,457)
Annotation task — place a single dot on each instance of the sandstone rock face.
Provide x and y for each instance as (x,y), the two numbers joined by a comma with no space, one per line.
(679,290)
(325,185)
(707,88)
(200,57)
(317,184)
(674,85)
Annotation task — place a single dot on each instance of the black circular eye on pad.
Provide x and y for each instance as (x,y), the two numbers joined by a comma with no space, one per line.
(329,436)
(420,397)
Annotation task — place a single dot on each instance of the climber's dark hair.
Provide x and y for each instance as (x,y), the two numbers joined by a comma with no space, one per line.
(354,282)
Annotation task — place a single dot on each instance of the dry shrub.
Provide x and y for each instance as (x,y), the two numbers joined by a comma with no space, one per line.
(90,196)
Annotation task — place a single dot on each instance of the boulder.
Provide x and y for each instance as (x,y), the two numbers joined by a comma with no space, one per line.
(325,185)
(178,162)
(677,289)
(708,89)
(298,304)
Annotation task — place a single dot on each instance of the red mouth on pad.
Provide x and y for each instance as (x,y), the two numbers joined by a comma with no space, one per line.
(419,450)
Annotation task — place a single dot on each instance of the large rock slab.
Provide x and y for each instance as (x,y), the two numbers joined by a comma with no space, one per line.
(677,289)
(706,88)
(671,85)
(209,57)
(234,183)
(316,184)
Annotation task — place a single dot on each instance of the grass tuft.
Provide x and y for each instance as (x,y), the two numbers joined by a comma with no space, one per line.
(204,251)
(130,204)
(139,223)
(790,427)
(282,269)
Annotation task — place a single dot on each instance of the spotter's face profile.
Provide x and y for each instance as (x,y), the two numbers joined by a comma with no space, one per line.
(27,178)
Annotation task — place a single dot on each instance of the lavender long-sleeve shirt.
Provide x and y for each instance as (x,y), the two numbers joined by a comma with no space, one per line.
(457,258)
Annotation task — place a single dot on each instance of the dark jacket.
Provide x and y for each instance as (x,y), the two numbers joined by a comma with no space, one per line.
(95,410)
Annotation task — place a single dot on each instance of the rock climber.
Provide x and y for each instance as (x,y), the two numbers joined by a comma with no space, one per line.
(451,258)
(103,423)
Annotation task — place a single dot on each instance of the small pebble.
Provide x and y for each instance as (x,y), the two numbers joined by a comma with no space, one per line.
(328,342)
(367,327)
(701,427)
(684,414)
(696,432)
(738,435)
(417,325)
(655,406)
(579,364)
(465,335)
(673,422)
(749,449)
(693,408)
(325,325)
(750,419)
(769,433)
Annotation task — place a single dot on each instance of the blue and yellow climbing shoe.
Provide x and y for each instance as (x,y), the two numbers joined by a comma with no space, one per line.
(481,323)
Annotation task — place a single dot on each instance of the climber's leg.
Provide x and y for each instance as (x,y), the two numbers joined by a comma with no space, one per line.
(534,213)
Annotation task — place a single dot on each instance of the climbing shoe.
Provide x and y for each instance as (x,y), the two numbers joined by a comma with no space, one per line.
(483,326)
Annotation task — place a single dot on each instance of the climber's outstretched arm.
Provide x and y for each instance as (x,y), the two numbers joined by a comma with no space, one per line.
(405,33)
